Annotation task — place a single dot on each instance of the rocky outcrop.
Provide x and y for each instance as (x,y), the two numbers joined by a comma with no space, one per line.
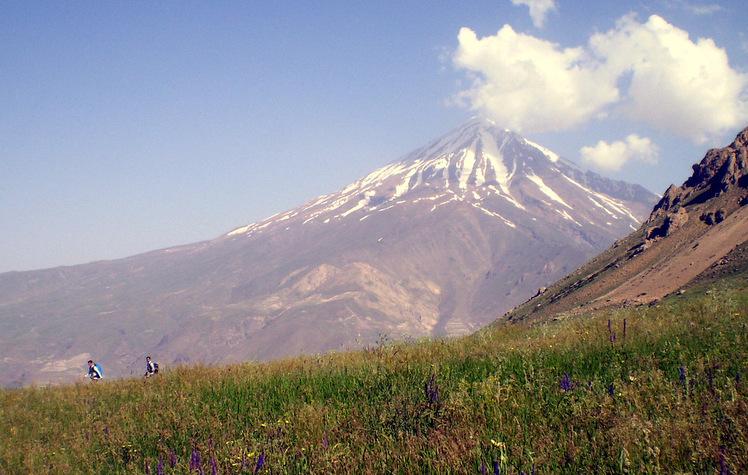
(719,171)
(693,232)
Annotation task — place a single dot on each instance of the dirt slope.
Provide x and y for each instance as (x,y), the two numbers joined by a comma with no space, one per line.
(693,231)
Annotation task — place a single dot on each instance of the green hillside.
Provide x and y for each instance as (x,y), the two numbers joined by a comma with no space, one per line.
(657,389)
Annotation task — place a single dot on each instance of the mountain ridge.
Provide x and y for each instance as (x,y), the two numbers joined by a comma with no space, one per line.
(691,232)
(439,242)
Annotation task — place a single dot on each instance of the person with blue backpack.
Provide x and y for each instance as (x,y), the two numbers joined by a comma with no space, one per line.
(151,368)
(94,371)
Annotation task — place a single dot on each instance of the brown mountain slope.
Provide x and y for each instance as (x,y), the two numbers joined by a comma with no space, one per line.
(438,242)
(696,231)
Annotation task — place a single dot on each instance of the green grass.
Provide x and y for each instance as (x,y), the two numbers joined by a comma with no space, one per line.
(669,396)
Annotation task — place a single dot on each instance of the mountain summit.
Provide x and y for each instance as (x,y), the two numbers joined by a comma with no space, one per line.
(439,242)
(490,169)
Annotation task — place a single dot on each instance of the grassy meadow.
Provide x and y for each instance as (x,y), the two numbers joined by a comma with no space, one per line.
(657,389)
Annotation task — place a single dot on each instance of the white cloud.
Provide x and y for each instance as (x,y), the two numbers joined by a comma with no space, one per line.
(697,9)
(649,72)
(676,85)
(538,9)
(531,85)
(613,156)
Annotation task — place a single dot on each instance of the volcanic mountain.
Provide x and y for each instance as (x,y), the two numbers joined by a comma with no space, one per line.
(440,242)
(698,232)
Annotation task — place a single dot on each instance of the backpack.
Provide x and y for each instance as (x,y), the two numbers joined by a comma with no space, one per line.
(98,369)
(155,368)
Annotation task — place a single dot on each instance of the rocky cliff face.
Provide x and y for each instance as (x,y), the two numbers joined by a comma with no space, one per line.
(695,229)
(720,171)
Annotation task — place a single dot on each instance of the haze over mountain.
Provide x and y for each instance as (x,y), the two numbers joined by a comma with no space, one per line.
(440,242)
(697,232)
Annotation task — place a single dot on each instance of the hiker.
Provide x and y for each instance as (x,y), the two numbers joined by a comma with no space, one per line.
(94,371)
(150,367)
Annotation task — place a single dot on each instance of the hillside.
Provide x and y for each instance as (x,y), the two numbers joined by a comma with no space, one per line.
(642,390)
(697,232)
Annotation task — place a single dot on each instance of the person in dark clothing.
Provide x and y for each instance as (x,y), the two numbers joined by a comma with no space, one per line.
(150,367)
(93,371)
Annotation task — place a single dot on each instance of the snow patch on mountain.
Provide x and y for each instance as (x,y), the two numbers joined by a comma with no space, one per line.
(470,164)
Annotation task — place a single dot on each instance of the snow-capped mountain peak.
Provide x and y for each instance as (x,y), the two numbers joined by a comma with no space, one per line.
(493,170)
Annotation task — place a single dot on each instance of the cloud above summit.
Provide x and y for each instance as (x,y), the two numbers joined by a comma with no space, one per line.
(650,73)
(538,9)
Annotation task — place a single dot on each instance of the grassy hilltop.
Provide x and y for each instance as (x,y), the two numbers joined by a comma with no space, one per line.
(656,389)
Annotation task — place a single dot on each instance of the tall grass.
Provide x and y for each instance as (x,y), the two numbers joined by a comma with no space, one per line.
(656,389)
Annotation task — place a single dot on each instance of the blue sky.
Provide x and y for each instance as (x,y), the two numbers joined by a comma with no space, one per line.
(132,126)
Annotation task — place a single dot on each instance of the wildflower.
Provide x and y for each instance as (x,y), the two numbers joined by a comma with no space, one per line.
(722,462)
(432,391)
(483,468)
(260,462)
(324,441)
(624,328)
(611,389)
(213,466)
(496,470)
(565,382)
(160,466)
(147,468)
(195,459)
(173,459)
(683,376)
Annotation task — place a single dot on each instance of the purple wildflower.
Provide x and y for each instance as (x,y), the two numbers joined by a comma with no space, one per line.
(722,462)
(173,459)
(195,459)
(432,391)
(260,462)
(213,466)
(324,442)
(483,468)
(624,328)
(611,389)
(106,430)
(565,382)
(147,468)
(160,466)
(683,376)
(496,470)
